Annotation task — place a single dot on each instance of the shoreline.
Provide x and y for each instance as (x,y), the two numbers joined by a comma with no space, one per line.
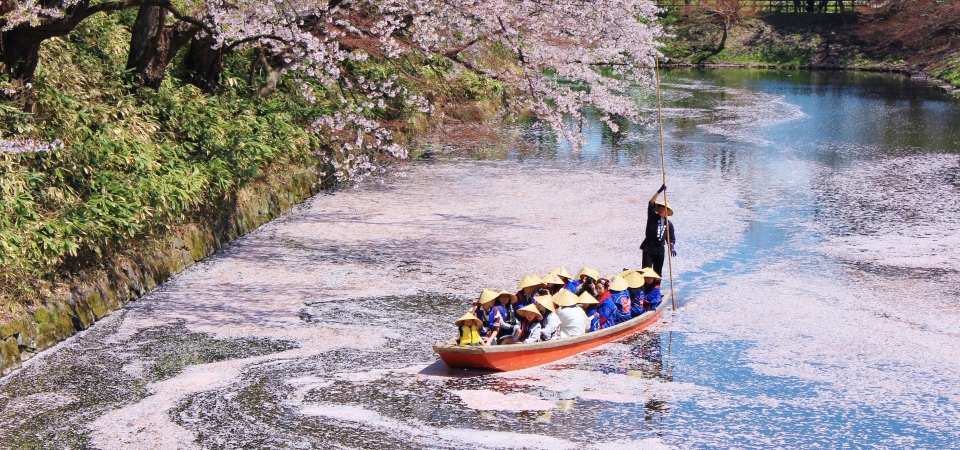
(919,75)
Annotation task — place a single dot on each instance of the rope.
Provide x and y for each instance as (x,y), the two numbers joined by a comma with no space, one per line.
(663,170)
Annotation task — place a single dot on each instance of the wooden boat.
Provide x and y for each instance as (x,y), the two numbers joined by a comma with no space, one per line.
(522,356)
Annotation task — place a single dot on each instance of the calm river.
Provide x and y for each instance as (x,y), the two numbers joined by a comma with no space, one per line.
(817,282)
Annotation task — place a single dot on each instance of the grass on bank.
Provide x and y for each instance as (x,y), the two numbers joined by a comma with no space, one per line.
(135,163)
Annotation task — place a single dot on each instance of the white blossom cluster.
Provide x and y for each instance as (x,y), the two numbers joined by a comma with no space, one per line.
(570,54)
(353,139)
(19,144)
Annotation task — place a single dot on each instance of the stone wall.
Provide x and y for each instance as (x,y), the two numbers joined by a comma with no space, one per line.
(96,294)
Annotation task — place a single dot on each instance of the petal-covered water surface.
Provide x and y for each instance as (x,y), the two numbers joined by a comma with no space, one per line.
(817,294)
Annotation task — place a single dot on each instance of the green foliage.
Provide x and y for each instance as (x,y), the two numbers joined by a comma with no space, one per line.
(949,71)
(135,162)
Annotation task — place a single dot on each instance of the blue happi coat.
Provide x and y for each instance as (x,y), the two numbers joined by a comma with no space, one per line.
(636,302)
(622,301)
(606,309)
(652,299)
(572,286)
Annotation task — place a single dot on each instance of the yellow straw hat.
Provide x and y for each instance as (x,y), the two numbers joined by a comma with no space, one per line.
(618,284)
(487,296)
(590,272)
(529,280)
(531,308)
(551,278)
(562,271)
(468,317)
(666,205)
(513,298)
(626,272)
(565,298)
(587,299)
(634,280)
(546,301)
(649,272)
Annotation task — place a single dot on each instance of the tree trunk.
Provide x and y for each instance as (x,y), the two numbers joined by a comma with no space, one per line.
(20,46)
(153,45)
(272,76)
(19,53)
(204,64)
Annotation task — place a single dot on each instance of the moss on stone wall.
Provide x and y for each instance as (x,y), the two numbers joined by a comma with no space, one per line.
(95,294)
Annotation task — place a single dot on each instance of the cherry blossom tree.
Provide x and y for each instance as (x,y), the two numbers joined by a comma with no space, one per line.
(566,55)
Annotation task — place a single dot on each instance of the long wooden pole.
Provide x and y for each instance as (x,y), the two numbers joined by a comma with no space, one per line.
(663,171)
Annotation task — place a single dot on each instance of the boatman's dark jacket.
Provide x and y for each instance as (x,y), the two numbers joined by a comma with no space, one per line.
(653,242)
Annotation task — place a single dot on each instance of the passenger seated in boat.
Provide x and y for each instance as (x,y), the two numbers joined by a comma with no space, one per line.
(621,299)
(527,290)
(552,283)
(469,326)
(510,306)
(528,330)
(585,278)
(635,290)
(573,320)
(569,283)
(550,321)
(495,316)
(651,289)
(589,305)
(605,306)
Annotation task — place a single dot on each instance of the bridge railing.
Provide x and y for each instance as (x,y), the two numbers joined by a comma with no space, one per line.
(781,6)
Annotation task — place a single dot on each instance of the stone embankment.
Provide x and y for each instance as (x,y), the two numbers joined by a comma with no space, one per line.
(93,296)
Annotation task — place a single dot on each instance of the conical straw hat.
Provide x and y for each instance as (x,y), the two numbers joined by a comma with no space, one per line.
(551,278)
(590,272)
(562,271)
(626,272)
(649,272)
(634,280)
(546,301)
(565,298)
(466,317)
(531,308)
(618,284)
(486,296)
(529,280)
(513,298)
(666,205)
(587,299)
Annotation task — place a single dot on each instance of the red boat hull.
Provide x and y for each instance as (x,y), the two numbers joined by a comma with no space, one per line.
(522,356)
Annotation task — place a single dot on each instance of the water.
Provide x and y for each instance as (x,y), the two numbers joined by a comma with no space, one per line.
(818,223)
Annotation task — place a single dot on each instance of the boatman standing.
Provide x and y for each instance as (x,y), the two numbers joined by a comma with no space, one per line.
(656,236)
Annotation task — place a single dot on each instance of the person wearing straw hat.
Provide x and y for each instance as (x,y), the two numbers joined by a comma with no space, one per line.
(656,233)
(651,289)
(469,326)
(635,284)
(553,283)
(569,283)
(585,278)
(621,299)
(550,321)
(589,304)
(527,289)
(528,330)
(495,315)
(605,307)
(573,320)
